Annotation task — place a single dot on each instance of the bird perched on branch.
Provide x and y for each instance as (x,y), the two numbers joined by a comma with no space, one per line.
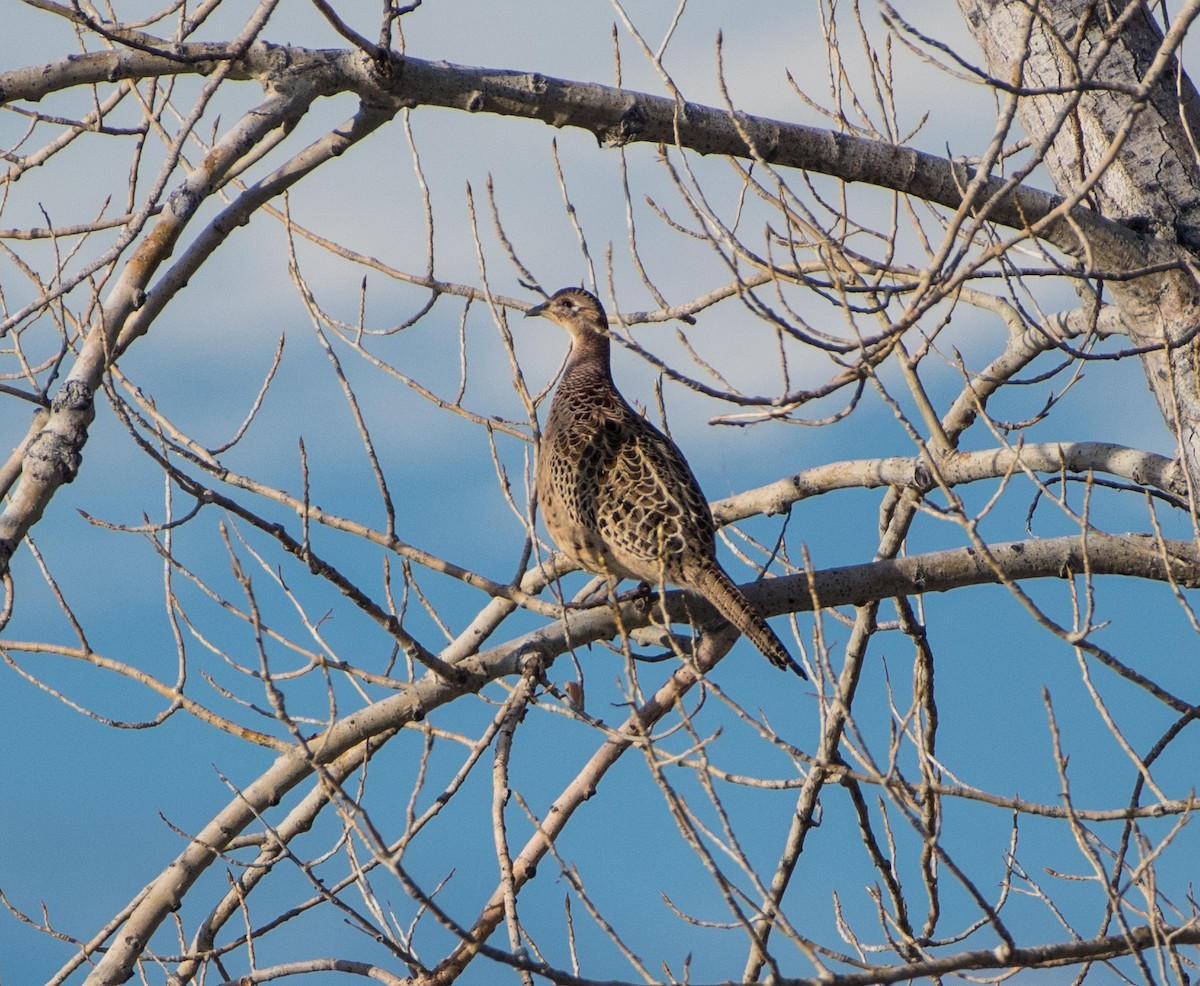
(617,495)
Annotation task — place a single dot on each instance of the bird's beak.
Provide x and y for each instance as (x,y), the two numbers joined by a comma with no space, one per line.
(537,309)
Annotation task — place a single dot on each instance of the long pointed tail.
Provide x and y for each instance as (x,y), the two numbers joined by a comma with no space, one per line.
(720,590)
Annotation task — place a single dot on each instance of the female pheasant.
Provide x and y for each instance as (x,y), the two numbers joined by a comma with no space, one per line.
(617,495)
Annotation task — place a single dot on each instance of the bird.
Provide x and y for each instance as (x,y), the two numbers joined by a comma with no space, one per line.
(617,495)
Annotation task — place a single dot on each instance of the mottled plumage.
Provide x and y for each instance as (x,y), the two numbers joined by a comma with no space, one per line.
(617,495)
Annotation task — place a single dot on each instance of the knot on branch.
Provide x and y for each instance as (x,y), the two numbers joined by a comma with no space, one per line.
(183,201)
(628,128)
(74,396)
(279,60)
(54,454)
(51,458)
(1175,479)
(532,662)
(387,67)
(922,477)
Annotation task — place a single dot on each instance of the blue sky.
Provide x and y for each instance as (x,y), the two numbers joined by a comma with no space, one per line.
(83,800)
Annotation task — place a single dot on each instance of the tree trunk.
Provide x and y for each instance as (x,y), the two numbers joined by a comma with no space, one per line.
(1116,120)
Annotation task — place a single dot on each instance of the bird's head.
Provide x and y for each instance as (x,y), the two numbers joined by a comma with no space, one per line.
(576,310)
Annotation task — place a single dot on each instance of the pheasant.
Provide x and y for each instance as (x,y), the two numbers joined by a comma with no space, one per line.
(617,495)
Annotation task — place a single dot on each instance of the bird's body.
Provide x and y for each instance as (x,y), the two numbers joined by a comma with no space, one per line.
(617,495)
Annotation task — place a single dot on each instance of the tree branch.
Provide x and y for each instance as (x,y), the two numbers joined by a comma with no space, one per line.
(857,584)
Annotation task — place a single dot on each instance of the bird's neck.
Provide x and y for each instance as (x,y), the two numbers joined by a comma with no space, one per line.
(589,356)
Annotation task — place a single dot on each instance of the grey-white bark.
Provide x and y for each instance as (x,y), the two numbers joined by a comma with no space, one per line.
(1117,119)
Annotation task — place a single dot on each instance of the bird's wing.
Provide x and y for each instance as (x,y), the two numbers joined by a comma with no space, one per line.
(650,507)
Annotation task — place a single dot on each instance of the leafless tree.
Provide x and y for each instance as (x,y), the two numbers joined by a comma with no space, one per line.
(301,544)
